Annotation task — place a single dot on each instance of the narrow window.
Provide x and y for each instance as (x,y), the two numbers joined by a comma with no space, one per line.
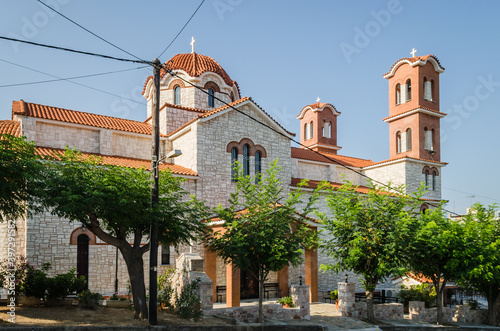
(427,90)
(327,129)
(211,101)
(408,89)
(258,166)
(428,140)
(398,94)
(426,178)
(306,131)
(177,95)
(311,130)
(246,160)
(398,142)
(165,254)
(433,181)
(234,160)
(408,139)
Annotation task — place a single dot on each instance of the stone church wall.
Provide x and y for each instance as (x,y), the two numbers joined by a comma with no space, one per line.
(60,136)
(131,146)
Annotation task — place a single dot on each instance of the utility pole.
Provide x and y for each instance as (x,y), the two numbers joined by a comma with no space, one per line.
(153,241)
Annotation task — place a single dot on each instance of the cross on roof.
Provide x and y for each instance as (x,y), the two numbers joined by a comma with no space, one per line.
(317,100)
(413,51)
(192,44)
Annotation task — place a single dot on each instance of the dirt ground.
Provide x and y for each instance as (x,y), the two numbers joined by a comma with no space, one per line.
(75,316)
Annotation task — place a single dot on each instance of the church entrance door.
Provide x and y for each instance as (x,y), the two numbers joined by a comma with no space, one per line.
(249,285)
(82,263)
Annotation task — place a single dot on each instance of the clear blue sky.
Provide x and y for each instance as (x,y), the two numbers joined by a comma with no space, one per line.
(284,54)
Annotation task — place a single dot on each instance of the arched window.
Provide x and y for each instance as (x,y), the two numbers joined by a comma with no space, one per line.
(398,94)
(433,181)
(427,178)
(246,160)
(428,145)
(311,130)
(306,131)
(177,95)
(327,129)
(82,259)
(211,99)
(408,90)
(234,160)
(398,142)
(258,166)
(408,139)
(424,208)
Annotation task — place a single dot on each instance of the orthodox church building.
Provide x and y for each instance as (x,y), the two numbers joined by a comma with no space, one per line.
(210,136)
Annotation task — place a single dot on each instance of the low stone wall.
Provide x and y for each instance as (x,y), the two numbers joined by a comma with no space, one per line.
(250,314)
(461,314)
(385,311)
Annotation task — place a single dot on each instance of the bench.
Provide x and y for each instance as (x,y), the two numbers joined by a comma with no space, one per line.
(220,292)
(272,287)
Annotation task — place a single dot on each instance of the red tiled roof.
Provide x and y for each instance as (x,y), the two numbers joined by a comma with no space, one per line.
(305,154)
(195,65)
(409,111)
(415,59)
(317,105)
(10,127)
(169,105)
(409,158)
(72,116)
(419,278)
(314,184)
(123,161)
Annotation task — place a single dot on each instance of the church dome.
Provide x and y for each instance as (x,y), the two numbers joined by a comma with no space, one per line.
(196,64)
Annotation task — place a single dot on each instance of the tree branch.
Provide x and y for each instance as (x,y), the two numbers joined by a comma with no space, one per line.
(95,227)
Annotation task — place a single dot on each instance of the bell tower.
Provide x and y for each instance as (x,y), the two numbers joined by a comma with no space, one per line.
(318,127)
(414,116)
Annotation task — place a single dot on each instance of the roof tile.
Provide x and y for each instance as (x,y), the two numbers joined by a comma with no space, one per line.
(10,127)
(72,116)
(305,154)
(123,161)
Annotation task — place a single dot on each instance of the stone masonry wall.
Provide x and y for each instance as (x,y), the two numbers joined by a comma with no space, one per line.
(60,136)
(131,146)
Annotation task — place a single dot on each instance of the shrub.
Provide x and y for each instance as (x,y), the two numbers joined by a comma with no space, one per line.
(418,293)
(286,301)
(87,299)
(165,289)
(21,266)
(188,304)
(473,304)
(334,295)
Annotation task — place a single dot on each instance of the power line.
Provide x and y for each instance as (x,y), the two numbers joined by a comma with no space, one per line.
(64,79)
(92,33)
(282,134)
(68,80)
(181,29)
(471,194)
(76,51)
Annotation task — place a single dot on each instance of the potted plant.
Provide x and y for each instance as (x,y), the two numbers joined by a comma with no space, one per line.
(286,302)
(334,295)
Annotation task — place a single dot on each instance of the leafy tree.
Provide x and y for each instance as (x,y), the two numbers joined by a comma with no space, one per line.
(18,167)
(480,256)
(370,233)
(435,251)
(262,231)
(114,203)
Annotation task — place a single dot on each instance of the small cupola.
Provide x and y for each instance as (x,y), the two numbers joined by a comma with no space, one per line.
(318,127)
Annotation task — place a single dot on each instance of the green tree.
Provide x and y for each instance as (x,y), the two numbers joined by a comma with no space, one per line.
(370,233)
(435,252)
(262,231)
(114,203)
(480,256)
(18,166)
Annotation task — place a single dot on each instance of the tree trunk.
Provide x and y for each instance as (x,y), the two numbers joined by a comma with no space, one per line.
(493,298)
(370,315)
(135,266)
(261,295)
(439,298)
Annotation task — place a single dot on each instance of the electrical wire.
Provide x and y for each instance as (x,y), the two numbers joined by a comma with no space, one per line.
(68,80)
(181,29)
(284,135)
(92,33)
(63,79)
(76,51)
(471,194)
